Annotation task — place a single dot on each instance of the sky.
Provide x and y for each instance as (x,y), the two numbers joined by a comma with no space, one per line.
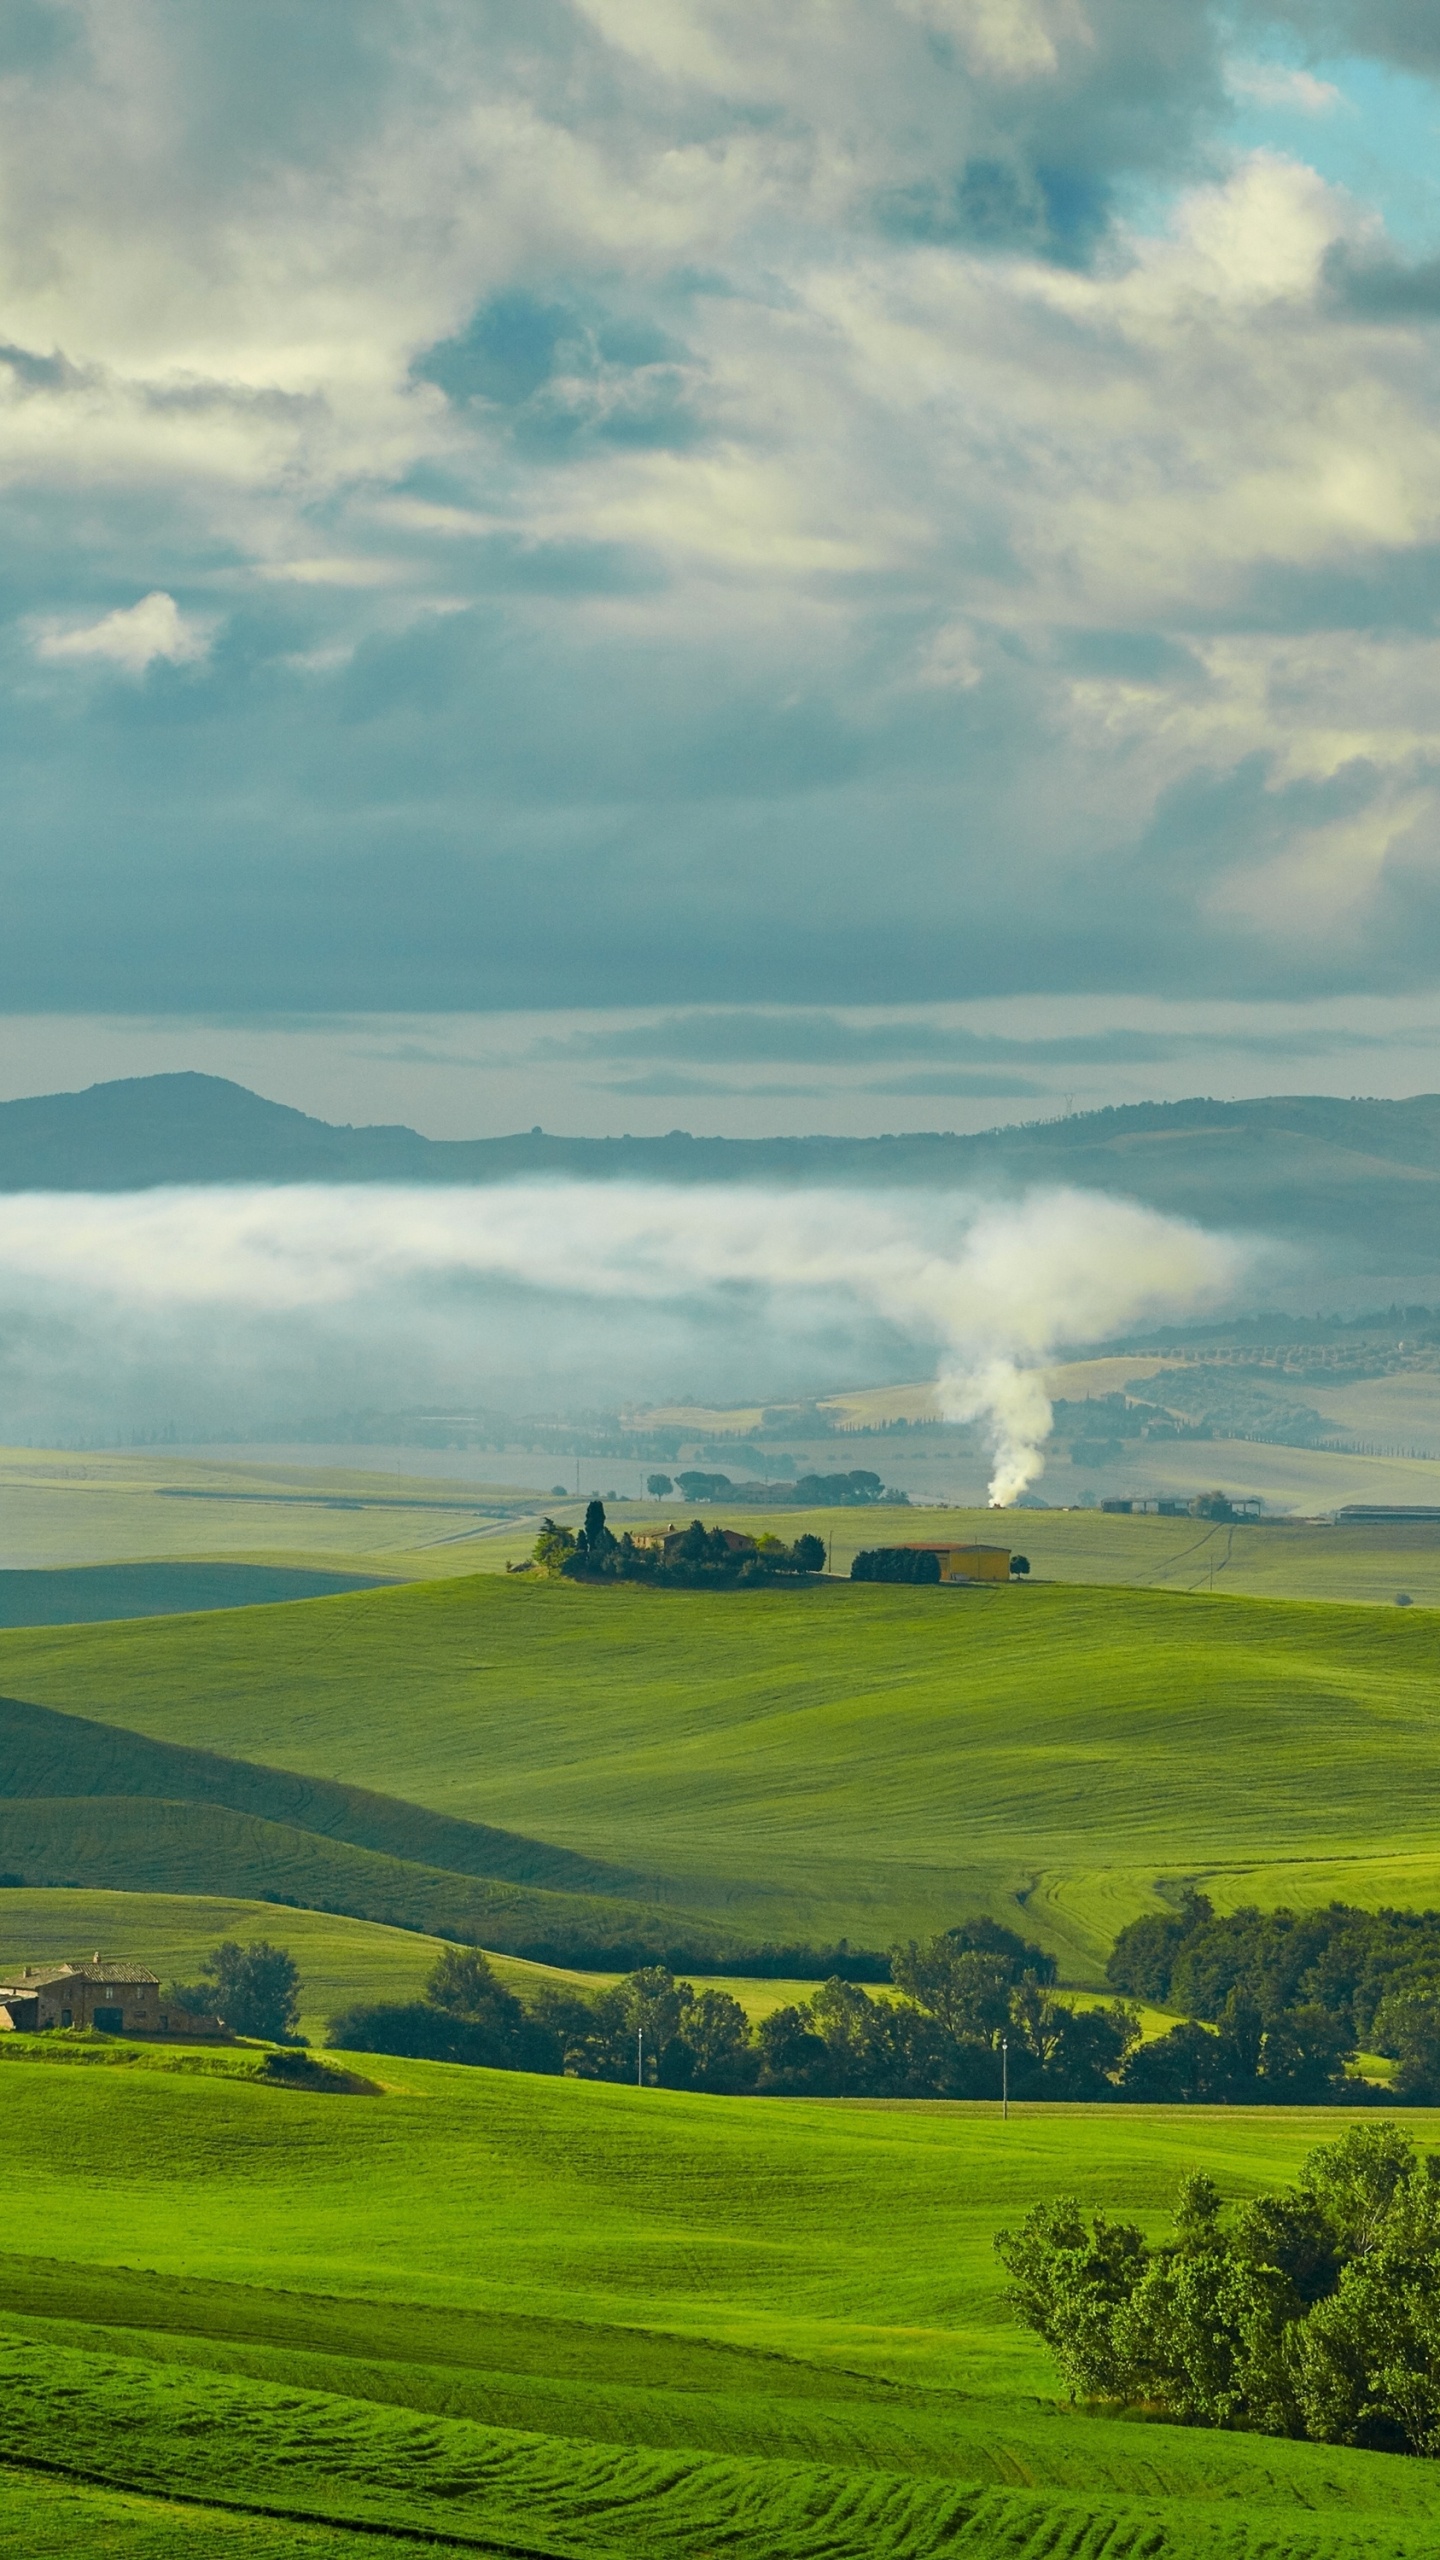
(858,564)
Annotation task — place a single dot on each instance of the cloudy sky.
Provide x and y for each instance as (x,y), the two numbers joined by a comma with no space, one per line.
(632,563)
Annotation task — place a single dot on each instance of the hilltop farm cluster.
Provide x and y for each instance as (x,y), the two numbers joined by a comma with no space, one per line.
(698,1555)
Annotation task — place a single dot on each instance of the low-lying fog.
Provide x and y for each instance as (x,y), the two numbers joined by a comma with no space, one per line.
(260,1310)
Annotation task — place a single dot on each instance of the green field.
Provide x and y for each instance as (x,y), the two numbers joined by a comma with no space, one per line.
(1271,1559)
(61,1510)
(340,1960)
(844,1760)
(576,2318)
(577,2321)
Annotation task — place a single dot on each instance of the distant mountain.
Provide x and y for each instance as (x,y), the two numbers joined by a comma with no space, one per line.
(1360,1180)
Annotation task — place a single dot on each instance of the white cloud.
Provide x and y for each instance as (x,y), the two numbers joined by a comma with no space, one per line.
(1275,84)
(912,446)
(133,637)
(1014,39)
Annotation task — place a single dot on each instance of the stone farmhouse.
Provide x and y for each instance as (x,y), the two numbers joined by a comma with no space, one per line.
(119,1999)
(667,1542)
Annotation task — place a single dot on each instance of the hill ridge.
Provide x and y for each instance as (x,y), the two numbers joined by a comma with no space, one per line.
(1361,1177)
(47,1753)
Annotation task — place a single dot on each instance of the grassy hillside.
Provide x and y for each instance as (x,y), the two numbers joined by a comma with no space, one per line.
(1287,1559)
(131,1842)
(848,1760)
(45,1754)
(62,1508)
(94,1804)
(64,1517)
(50,2518)
(91,1594)
(580,2319)
(341,1960)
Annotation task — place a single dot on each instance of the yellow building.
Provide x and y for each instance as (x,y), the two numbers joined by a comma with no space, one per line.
(965,1564)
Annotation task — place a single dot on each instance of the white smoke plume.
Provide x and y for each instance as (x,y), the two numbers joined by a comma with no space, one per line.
(997,1289)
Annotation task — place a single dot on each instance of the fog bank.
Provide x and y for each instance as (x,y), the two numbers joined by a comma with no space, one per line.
(280,1298)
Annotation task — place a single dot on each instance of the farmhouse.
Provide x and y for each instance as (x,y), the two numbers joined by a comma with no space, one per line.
(119,1999)
(964,1564)
(667,1541)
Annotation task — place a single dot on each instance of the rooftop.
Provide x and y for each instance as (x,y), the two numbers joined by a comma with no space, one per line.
(31,1977)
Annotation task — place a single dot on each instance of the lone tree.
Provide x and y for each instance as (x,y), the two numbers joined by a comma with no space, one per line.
(659,1486)
(553,1545)
(254,1989)
(461,1980)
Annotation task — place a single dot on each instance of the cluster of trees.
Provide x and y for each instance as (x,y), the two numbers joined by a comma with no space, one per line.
(697,1556)
(909,1564)
(1280,2003)
(895,1564)
(253,1990)
(844,1492)
(808,1493)
(961,1993)
(1292,1997)
(466,2015)
(1311,2313)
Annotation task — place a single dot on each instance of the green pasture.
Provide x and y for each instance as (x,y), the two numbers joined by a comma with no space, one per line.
(73,1595)
(341,1961)
(841,1760)
(63,1508)
(579,2319)
(1280,1559)
(125,1842)
(45,2517)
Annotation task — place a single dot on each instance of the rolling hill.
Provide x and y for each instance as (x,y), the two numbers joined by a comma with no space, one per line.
(83,1802)
(848,1760)
(94,1593)
(567,2319)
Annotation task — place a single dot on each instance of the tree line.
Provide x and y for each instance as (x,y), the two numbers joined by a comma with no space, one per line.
(1285,1994)
(971,2010)
(1280,2003)
(910,1564)
(961,1994)
(1314,2312)
(807,1493)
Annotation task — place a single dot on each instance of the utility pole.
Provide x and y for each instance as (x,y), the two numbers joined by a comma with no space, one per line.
(1004,2079)
(639,2057)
